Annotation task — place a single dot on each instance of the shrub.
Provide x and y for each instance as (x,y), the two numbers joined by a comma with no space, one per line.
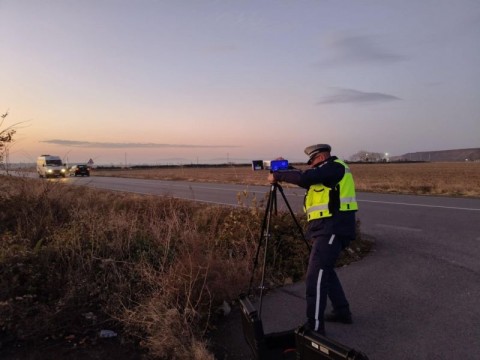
(74,260)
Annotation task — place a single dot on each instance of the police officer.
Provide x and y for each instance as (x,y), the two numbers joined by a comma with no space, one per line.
(330,206)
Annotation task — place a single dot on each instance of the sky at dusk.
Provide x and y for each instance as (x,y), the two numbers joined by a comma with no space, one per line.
(205,81)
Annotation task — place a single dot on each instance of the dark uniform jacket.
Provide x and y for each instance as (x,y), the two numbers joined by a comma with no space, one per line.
(328,173)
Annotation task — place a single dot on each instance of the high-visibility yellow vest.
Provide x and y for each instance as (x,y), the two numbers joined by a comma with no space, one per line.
(317,198)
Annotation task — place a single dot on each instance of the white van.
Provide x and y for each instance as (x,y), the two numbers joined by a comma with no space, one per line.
(50,166)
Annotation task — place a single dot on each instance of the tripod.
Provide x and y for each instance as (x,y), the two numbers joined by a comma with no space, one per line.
(265,235)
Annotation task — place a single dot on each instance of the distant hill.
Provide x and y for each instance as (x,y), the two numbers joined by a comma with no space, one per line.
(442,155)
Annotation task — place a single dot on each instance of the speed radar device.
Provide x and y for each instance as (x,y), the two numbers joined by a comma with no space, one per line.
(272,165)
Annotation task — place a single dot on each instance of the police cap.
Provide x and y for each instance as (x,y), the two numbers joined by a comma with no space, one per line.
(313,150)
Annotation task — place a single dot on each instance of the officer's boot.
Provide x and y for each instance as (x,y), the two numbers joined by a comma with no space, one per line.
(342,315)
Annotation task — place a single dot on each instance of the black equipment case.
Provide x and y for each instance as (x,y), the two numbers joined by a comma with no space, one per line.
(265,347)
(312,346)
(297,344)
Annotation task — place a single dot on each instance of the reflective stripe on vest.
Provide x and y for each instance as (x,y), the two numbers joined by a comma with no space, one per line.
(317,198)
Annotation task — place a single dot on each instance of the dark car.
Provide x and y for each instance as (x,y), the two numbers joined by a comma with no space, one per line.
(79,170)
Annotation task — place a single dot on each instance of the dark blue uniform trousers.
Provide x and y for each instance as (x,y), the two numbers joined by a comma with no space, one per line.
(322,280)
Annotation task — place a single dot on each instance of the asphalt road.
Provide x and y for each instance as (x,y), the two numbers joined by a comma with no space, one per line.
(415,297)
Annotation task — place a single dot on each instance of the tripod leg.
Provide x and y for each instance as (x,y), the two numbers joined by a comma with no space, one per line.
(267,216)
(271,207)
(274,200)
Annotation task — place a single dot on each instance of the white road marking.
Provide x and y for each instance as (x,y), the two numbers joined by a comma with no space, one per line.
(422,205)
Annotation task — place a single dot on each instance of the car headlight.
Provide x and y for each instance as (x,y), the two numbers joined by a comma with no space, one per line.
(49,170)
(63,170)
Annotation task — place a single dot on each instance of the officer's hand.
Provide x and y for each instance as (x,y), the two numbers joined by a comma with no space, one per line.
(271,179)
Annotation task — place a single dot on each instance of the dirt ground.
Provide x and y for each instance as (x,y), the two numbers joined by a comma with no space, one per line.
(90,348)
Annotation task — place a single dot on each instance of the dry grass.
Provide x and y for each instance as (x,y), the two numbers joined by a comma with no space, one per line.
(451,179)
(142,266)
(226,175)
(153,269)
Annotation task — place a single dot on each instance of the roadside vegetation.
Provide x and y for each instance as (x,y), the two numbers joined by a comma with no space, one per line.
(436,178)
(156,270)
(75,261)
(443,179)
(6,137)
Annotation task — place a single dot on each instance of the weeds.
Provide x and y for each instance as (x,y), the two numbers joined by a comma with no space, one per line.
(150,267)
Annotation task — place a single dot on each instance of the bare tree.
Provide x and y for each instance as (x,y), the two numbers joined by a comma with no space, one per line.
(6,138)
